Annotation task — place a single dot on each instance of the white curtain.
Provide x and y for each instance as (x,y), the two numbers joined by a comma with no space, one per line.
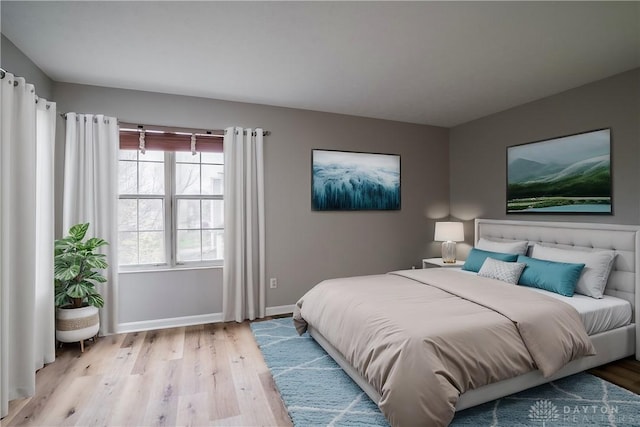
(27,331)
(90,194)
(244,244)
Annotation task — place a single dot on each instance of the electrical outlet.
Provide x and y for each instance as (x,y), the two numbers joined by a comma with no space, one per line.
(273,283)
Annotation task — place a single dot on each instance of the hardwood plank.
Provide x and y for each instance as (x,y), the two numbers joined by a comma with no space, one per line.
(101,354)
(175,343)
(65,410)
(146,354)
(15,406)
(162,407)
(200,375)
(108,392)
(238,421)
(246,357)
(131,338)
(276,404)
(190,410)
(107,396)
(197,374)
(224,401)
(50,381)
(129,409)
(625,373)
(128,354)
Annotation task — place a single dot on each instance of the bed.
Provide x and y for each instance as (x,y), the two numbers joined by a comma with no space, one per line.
(615,340)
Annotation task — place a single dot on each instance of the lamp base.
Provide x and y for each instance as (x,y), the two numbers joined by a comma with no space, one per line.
(449,252)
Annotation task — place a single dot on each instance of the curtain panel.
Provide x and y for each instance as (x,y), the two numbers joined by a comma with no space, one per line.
(243,295)
(90,194)
(27,322)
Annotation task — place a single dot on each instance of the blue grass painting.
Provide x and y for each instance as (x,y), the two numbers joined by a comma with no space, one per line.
(355,181)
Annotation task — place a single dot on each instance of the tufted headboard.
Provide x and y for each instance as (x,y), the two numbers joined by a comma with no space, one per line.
(624,281)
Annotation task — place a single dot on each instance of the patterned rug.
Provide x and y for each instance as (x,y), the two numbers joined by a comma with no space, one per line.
(317,392)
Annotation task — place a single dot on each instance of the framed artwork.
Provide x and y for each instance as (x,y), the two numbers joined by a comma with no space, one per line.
(565,175)
(350,181)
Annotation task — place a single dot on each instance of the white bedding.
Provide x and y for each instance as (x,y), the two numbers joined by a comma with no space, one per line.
(598,315)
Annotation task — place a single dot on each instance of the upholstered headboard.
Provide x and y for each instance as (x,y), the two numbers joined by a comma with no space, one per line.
(624,281)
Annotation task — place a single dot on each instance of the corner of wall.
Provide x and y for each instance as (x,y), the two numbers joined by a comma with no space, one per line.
(16,62)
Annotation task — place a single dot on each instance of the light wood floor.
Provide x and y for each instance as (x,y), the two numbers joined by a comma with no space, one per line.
(208,375)
(195,376)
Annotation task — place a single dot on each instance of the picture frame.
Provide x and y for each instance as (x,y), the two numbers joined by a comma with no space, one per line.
(354,181)
(565,175)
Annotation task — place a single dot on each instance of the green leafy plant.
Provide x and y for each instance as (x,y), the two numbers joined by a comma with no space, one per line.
(76,262)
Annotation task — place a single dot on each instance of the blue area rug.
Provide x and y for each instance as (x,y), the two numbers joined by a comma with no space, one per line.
(317,392)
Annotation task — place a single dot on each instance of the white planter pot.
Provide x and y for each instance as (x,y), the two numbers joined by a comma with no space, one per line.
(76,324)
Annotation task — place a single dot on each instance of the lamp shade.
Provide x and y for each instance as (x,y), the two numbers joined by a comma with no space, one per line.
(449,231)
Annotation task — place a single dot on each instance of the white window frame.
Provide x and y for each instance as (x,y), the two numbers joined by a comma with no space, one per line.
(170,201)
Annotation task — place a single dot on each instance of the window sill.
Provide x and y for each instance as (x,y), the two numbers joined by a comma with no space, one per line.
(165,269)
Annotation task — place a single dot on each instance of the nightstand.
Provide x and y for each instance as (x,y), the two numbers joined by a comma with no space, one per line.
(437,262)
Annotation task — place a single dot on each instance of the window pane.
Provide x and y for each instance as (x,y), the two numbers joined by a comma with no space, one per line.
(217,158)
(151,178)
(188,214)
(188,245)
(128,154)
(212,214)
(127,177)
(151,213)
(142,222)
(127,248)
(187,179)
(152,247)
(127,215)
(152,155)
(212,245)
(212,179)
(187,157)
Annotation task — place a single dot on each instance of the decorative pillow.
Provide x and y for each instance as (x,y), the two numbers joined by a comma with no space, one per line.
(558,277)
(597,266)
(516,247)
(476,258)
(505,271)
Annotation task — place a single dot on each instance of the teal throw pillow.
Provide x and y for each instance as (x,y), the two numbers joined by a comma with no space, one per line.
(558,277)
(476,258)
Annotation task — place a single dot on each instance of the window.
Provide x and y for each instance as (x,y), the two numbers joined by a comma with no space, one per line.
(171,206)
(200,209)
(141,208)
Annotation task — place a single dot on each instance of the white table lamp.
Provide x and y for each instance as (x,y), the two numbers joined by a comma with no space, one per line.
(449,233)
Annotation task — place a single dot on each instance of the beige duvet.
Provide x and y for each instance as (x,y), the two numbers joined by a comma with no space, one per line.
(423,337)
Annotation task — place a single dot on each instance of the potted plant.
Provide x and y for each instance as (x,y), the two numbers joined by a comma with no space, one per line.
(77,300)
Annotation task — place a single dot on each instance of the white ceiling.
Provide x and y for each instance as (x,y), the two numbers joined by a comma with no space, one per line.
(421,62)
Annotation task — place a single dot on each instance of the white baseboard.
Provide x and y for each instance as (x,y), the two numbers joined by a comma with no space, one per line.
(175,322)
(279,309)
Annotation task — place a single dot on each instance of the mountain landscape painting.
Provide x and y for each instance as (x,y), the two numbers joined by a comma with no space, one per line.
(571,174)
(343,180)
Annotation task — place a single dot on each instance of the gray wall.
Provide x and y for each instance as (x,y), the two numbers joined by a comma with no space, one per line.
(303,247)
(16,62)
(478,149)
(461,171)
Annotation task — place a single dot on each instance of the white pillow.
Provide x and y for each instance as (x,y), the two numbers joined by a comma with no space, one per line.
(516,247)
(597,266)
(501,270)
